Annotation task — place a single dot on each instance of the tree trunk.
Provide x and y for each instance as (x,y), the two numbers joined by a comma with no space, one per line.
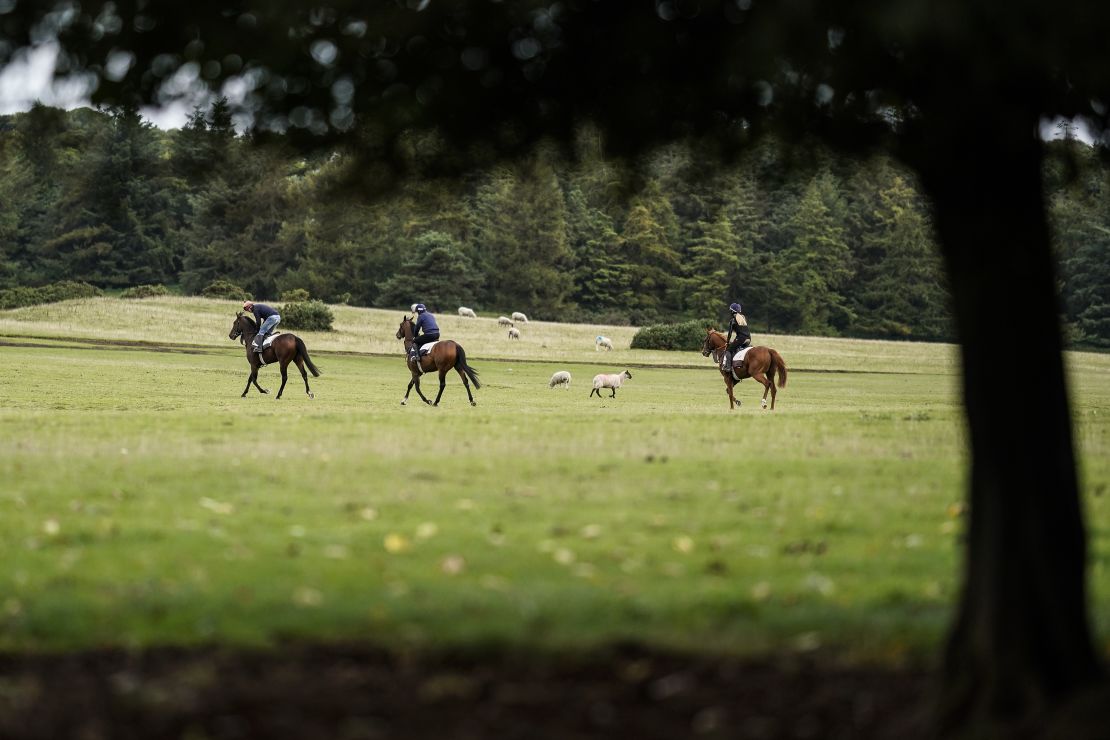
(1020,645)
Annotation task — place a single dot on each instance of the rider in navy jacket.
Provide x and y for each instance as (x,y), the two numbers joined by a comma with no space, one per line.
(268,318)
(424,330)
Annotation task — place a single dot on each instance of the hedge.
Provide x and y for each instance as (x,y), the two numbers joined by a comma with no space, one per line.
(52,293)
(226,289)
(145,291)
(310,315)
(687,336)
(296,295)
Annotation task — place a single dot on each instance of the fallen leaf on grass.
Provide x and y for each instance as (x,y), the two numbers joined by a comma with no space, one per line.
(217,507)
(395,543)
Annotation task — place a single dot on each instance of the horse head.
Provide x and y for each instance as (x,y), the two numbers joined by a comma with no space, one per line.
(405,329)
(236,329)
(713,341)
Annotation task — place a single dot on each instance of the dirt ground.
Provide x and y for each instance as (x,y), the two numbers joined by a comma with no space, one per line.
(356,693)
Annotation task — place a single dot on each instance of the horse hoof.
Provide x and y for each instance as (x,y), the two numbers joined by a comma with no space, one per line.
(473,403)
(263,390)
(310,395)
(764,404)
(404,402)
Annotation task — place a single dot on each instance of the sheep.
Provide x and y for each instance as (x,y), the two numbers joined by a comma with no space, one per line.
(467,313)
(560,378)
(514,333)
(612,382)
(605,342)
(518,316)
(504,321)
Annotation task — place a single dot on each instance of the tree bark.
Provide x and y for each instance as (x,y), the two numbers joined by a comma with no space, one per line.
(1020,644)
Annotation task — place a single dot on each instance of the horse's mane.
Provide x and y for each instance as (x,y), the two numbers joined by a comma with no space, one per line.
(250,321)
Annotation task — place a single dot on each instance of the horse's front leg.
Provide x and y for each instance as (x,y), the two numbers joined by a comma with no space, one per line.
(254,374)
(732,402)
(420,393)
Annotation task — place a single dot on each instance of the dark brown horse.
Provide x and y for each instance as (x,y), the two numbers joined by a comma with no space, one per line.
(446,354)
(760,363)
(285,348)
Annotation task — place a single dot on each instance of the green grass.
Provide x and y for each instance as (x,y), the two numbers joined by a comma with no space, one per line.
(145,503)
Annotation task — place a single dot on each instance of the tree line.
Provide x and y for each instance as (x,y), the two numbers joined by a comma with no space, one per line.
(826,246)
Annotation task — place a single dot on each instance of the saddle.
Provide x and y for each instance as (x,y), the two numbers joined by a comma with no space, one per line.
(428,347)
(265,345)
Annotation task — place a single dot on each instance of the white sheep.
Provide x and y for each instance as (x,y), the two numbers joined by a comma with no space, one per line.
(560,378)
(504,321)
(605,342)
(467,313)
(518,316)
(514,333)
(612,382)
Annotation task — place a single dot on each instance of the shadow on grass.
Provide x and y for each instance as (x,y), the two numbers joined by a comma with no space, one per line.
(355,693)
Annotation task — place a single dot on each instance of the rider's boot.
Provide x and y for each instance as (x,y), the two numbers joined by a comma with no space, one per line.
(726,361)
(414,358)
(257,344)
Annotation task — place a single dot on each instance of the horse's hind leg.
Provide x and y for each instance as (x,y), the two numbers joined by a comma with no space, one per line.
(442,385)
(768,385)
(300,366)
(466,384)
(284,378)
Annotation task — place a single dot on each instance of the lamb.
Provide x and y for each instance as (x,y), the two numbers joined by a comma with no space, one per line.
(560,378)
(518,316)
(605,342)
(612,382)
(504,321)
(467,313)
(514,333)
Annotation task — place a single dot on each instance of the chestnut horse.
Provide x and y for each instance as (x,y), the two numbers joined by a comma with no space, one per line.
(760,363)
(444,355)
(285,348)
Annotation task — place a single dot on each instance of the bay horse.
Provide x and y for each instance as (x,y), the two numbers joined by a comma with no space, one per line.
(285,348)
(444,355)
(760,363)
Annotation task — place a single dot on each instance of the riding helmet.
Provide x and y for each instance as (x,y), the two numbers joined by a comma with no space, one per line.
(419,308)
(735,308)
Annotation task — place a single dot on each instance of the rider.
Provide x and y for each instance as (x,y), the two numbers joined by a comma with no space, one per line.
(739,326)
(426,322)
(268,318)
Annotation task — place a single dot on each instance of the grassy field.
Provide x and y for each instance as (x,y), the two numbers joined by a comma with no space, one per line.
(145,503)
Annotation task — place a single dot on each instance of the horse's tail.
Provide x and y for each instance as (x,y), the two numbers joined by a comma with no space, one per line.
(303,352)
(460,362)
(778,362)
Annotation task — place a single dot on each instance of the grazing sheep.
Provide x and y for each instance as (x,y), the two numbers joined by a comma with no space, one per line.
(514,333)
(467,313)
(560,378)
(612,382)
(504,321)
(605,342)
(518,316)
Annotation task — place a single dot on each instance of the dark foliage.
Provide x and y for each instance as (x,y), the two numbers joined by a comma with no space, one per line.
(310,315)
(145,291)
(225,289)
(52,293)
(687,336)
